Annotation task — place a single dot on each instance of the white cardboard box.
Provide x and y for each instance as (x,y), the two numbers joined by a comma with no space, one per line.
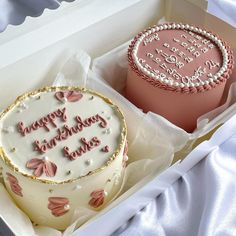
(28,52)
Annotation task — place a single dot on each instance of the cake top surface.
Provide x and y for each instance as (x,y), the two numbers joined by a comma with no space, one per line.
(179,56)
(61,134)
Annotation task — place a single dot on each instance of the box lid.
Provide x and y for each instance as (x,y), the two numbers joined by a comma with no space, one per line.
(17,42)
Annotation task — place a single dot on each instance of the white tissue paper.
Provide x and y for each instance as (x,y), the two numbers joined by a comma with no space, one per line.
(153,140)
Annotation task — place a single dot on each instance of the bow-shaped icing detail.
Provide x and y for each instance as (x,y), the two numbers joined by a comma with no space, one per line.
(97,198)
(58,205)
(68,96)
(41,166)
(15,187)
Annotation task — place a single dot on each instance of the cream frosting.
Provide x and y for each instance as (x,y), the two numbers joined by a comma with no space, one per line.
(59,135)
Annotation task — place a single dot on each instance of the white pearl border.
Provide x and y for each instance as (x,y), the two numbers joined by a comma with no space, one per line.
(213,38)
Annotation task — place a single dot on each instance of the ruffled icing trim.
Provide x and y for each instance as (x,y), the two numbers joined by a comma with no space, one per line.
(196,89)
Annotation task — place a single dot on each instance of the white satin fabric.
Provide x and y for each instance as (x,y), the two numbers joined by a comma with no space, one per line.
(202,202)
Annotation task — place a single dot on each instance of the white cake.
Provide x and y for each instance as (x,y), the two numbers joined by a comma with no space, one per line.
(62,148)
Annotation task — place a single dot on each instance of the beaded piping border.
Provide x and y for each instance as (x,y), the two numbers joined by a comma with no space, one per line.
(218,78)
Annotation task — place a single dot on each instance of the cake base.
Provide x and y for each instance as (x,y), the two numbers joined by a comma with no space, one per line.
(62,150)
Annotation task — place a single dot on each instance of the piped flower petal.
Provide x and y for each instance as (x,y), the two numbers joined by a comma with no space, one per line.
(50,168)
(39,170)
(58,200)
(33,163)
(74,96)
(125,158)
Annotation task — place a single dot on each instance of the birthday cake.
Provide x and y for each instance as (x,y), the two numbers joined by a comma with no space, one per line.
(178,71)
(62,149)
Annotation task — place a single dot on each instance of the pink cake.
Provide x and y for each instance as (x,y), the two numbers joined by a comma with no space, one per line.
(178,71)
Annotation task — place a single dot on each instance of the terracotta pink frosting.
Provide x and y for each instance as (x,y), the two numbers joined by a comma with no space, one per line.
(41,166)
(70,96)
(59,206)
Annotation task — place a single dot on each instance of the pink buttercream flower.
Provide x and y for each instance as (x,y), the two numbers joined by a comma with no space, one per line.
(97,198)
(68,96)
(58,205)
(41,166)
(125,158)
(15,187)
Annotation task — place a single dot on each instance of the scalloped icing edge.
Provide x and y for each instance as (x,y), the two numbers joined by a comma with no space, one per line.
(185,89)
(44,13)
